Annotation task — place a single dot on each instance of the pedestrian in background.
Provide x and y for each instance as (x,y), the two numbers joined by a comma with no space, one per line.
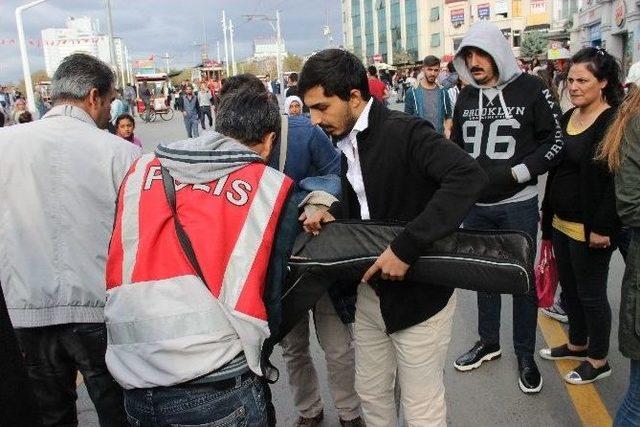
(145,96)
(25,117)
(190,111)
(377,88)
(129,98)
(59,179)
(620,148)
(125,126)
(204,101)
(430,101)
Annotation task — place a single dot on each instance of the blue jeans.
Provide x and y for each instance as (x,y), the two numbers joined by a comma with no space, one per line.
(191,124)
(521,216)
(629,412)
(234,402)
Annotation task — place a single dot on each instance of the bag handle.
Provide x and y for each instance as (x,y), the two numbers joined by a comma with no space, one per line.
(185,242)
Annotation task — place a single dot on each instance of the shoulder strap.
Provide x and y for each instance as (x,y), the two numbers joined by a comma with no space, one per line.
(284,133)
(185,242)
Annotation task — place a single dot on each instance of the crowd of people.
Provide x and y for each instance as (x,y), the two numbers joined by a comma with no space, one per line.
(191,242)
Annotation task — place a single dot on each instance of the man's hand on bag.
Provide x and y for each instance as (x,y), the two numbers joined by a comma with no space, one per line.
(389,265)
(598,241)
(313,223)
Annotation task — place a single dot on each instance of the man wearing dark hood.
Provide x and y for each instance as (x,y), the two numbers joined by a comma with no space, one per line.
(510,123)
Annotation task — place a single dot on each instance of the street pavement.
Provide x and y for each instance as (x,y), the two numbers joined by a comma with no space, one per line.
(488,396)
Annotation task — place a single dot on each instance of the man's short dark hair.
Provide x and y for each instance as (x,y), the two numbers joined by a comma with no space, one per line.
(248,115)
(431,61)
(240,81)
(337,71)
(293,77)
(371,69)
(77,74)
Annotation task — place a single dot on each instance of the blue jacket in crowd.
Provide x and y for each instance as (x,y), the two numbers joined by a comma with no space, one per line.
(414,105)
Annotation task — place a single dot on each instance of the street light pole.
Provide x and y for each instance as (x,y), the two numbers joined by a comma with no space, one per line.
(278,56)
(226,51)
(233,52)
(112,49)
(26,70)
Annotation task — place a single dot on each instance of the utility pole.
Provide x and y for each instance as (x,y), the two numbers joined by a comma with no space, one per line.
(126,62)
(205,49)
(26,70)
(166,57)
(275,28)
(233,52)
(112,49)
(226,51)
(278,56)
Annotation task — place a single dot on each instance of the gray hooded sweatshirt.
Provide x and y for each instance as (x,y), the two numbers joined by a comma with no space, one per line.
(513,128)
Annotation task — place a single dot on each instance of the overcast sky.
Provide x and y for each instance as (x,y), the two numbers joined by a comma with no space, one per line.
(155,27)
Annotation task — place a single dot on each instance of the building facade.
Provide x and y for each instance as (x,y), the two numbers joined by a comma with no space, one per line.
(79,35)
(392,30)
(611,24)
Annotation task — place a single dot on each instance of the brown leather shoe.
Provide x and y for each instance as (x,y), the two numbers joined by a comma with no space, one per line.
(356,422)
(309,422)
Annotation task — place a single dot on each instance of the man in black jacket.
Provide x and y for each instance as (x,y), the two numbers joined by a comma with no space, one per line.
(510,123)
(394,167)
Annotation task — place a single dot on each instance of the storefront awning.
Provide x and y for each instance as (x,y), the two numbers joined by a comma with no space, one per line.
(537,27)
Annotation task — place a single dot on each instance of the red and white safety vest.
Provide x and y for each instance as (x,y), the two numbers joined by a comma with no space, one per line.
(164,326)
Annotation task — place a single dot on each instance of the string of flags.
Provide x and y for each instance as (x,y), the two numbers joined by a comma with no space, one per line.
(39,43)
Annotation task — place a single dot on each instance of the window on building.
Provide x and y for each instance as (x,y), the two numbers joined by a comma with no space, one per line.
(456,43)
(396,35)
(411,12)
(435,39)
(517,38)
(355,21)
(368,29)
(435,14)
(382,29)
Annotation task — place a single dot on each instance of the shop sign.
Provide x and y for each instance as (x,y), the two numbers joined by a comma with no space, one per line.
(501,7)
(484,11)
(538,6)
(619,13)
(457,17)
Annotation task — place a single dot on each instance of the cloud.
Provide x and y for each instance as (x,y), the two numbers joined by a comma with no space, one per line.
(173,27)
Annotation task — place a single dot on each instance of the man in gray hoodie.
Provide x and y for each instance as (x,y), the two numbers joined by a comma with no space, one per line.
(510,123)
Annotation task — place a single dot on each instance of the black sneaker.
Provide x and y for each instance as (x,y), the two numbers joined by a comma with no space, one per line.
(357,422)
(478,354)
(309,422)
(530,380)
(562,352)
(585,373)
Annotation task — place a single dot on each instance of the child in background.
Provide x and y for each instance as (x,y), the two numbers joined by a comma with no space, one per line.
(125,125)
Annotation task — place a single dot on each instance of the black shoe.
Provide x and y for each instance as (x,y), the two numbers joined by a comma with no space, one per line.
(562,352)
(585,373)
(356,422)
(478,354)
(530,380)
(309,422)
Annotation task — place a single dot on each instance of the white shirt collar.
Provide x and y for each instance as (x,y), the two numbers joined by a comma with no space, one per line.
(363,121)
(361,124)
